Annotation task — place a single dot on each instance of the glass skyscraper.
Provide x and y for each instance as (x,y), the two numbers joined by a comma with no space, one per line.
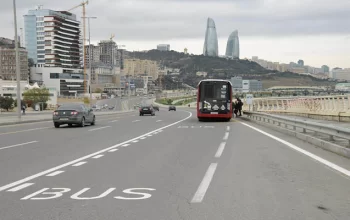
(211,40)
(52,38)
(232,48)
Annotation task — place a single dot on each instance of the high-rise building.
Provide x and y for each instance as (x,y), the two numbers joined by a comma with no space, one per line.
(232,47)
(52,38)
(163,47)
(108,52)
(211,45)
(325,68)
(95,54)
(8,63)
(301,62)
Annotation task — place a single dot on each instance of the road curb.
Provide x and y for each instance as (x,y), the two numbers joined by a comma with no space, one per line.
(50,119)
(325,145)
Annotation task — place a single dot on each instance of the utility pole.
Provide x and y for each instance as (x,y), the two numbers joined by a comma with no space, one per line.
(18,74)
(90,58)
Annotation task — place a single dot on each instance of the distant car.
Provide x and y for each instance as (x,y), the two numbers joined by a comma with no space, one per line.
(147,109)
(156,107)
(73,114)
(96,108)
(172,108)
(111,107)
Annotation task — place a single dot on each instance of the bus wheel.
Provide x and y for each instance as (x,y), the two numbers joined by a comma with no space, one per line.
(200,119)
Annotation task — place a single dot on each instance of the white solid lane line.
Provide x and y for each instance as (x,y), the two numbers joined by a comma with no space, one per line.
(228,128)
(55,173)
(18,188)
(17,145)
(79,164)
(220,150)
(307,153)
(113,150)
(203,187)
(226,135)
(45,172)
(98,156)
(135,121)
(95,129)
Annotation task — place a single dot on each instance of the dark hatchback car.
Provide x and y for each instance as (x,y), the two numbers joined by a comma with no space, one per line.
(156,107)
(172,108)
(147,109)
(73,114)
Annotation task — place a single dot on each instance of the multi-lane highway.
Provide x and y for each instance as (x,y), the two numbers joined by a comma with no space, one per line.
(169,166)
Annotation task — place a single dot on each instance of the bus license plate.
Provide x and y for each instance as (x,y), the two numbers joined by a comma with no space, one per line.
(214,113)
(64,119)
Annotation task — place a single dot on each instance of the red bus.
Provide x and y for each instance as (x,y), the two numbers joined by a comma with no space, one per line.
(214,99)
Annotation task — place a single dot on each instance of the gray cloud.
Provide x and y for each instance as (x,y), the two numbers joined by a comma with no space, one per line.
(174,19)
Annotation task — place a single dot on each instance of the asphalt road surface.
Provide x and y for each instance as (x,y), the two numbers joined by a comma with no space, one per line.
(169,166)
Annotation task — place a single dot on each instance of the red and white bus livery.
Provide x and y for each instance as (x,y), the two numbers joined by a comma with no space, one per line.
(214,99)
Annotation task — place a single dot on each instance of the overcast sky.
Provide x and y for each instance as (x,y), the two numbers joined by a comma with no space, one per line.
(278,30)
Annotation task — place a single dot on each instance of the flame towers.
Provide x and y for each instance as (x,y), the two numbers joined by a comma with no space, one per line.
(232,48)
(211,40)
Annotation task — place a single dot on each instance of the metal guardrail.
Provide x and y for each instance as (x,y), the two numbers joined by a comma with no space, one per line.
(331,131)
(318,105)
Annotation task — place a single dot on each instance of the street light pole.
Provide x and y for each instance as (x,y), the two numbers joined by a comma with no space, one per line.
(90,52)
(18,74)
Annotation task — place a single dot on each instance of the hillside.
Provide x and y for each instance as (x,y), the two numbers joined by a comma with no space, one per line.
(222,68)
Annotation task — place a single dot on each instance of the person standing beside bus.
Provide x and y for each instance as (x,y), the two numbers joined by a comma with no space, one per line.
(239,106)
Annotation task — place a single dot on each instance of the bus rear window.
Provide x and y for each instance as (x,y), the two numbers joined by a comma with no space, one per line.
(216,90)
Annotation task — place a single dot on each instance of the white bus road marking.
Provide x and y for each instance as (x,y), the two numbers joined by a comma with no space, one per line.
(95,129)
(45,172)
(113,150)
(113,121)
(220,150)
(17,145)
(55,173)
(313,156)
(18,188)
(203,187)
(54,193)
(125,145)
(135,121)
(226,136)
(79,164)
(98,156)
(142,138)
(135,141)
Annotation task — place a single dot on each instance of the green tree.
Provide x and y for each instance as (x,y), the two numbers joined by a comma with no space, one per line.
(169,101)
(36,95)
(6,103)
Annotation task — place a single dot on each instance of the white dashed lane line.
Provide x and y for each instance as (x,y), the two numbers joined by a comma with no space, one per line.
(228,128)
(125,145)
(135,121)
(79,164)
(55,173)
(158,120)
(18,188)
(226,135)
(203,187)
(220,150)
(98,156)
(95,129)
(17,145)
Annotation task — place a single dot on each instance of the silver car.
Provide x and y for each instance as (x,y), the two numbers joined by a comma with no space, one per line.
(72,114)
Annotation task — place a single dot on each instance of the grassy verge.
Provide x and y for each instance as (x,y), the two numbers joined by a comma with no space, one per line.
(168,101)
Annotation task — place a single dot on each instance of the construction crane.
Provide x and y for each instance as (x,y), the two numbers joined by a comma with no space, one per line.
(112,36)
(83,4)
